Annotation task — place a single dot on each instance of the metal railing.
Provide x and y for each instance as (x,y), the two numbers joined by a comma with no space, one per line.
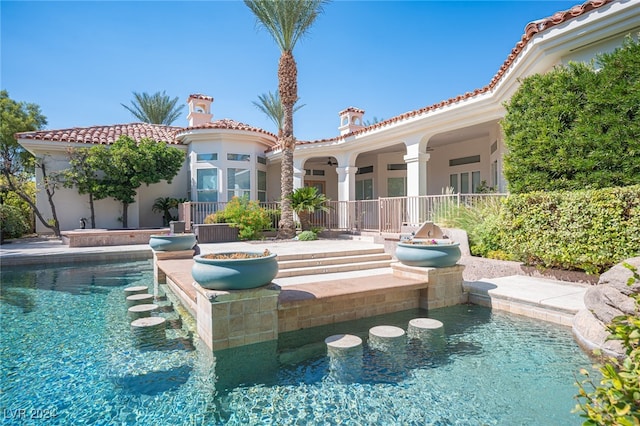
(384,215)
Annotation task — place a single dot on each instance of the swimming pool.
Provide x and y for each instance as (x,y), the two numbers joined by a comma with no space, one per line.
(67,356)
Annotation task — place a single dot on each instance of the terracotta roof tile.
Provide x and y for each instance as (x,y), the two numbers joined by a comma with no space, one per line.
(351,109)
(105,134)
(200,96)
(227,123)
(108,134)
(531,30)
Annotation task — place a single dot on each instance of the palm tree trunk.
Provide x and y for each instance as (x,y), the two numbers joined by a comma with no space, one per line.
(288,89)
(287,226)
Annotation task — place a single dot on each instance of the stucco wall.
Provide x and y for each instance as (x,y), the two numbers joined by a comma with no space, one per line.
(438,169)
(71,206)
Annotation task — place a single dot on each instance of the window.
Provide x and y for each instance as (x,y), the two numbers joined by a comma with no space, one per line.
(464,160)
(314,172)
(364,170)
(453,182)
(207,157)
(207,184)
(238,157)
(494,174)
(402,166)
(464,187)
(397,187)
(262,186)
(475,181)
(238,183)
(261,160)
(464,183)
(364,189)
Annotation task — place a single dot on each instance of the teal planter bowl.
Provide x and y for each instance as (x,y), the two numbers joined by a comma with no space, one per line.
(439,255)
(172,242)
(234,274)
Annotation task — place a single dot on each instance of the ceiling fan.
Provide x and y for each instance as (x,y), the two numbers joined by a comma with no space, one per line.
(331,162)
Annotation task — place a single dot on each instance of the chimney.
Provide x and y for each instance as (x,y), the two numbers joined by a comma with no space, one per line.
(350,120)
(199,110)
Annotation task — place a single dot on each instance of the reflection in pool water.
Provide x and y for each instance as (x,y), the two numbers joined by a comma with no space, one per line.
(66,347)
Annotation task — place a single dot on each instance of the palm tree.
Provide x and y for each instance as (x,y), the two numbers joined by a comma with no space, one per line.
(305,202)
(164,205)
(271,106)
(158,108)
(286,21)
(374,120)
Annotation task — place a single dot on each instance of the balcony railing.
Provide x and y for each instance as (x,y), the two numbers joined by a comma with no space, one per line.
(384,215)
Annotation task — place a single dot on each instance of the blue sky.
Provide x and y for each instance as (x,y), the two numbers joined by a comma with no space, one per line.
(80,60)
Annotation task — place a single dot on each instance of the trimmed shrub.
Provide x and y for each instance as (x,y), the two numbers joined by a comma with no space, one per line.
(247,216)
(12,222)
(307,236)
(588,230)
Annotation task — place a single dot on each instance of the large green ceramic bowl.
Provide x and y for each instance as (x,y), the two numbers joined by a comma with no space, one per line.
(439,255)
(234,274)
(172,242)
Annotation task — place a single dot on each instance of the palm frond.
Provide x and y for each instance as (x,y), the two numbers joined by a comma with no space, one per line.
(158,108)
(269,103)
(286,20)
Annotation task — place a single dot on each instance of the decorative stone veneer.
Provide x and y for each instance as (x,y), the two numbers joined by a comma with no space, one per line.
(305,311)
(444,284)
(226,319)
(409,288)
(107,237)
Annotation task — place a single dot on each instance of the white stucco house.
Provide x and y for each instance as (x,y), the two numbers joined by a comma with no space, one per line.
(455,143)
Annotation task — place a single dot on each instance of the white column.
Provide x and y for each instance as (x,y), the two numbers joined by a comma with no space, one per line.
(346,192)
(298,172)
(416,183)
(416,173)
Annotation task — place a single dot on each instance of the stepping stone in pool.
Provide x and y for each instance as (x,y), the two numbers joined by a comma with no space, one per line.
(142,311)
(149,331)
(138,289)
(139,299)
(385,337)
(429,332)
(345,357)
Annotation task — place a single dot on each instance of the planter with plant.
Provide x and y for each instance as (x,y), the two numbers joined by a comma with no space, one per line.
(248,216)
(435,253)
(234,270)
(172,242)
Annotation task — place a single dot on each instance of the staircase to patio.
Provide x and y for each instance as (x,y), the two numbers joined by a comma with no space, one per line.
(309,264)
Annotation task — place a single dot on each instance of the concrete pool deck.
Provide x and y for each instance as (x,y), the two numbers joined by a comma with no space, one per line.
(544,299)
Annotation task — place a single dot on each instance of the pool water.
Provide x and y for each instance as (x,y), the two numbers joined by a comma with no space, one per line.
(68,357)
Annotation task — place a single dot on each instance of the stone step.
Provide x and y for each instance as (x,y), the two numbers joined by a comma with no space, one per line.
(337,260)
(320,255)
(328,269)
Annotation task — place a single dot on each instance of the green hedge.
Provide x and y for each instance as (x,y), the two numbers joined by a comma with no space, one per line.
(12,222)
(588,230)
(247,216)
